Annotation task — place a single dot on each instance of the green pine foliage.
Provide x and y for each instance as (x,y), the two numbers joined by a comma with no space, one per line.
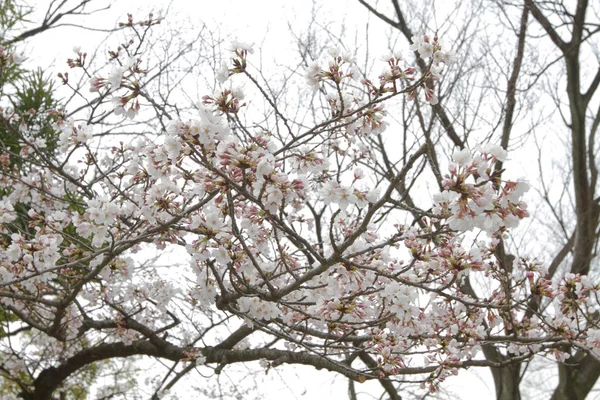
(29,94)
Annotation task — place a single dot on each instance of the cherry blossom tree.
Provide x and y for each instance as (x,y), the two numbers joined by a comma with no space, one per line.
(546,49)
(298,239)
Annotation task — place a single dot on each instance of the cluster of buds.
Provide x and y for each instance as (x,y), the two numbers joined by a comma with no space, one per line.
(129,106)
(241,51)
(146,23)
(122,76)
(433,49)
(125,72)
(226,102)
(340,67)
(396,77)
(239,61)
(78,61)
(473,198)
(390,78)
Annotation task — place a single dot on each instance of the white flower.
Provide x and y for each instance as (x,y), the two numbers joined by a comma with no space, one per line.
(59,215)
(417,41)
(347,56)
(462,157)
(213,220)
(358,173)
(425,50)
(444,199)
(334,51)
(223,72)
(128,62)
(520,188)
(118,105)
(312,74)
(387,57)
(7,212)
(463,224)
(195,221)
(235,45)
(490,222)
(131,112)
(346,197)
(13,252)
(83,133)
(275,196)
(264,167)
(436,70)
(373,196)
(39,142)
(328,193)
(17,58)
(115,78)
(449,57)
(238,93)
(173,148)
(496,151)
(84,229)
(510,221)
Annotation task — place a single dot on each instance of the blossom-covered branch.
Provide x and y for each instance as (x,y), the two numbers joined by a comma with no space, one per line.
(288,237)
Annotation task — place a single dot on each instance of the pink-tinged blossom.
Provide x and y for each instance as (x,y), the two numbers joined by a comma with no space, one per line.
(515,190)
(313,75)
(133,109)
(430,97)
(96,83)
(481,204)
(118,103)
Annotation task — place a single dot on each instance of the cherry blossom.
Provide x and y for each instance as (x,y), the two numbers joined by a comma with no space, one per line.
(298,244)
